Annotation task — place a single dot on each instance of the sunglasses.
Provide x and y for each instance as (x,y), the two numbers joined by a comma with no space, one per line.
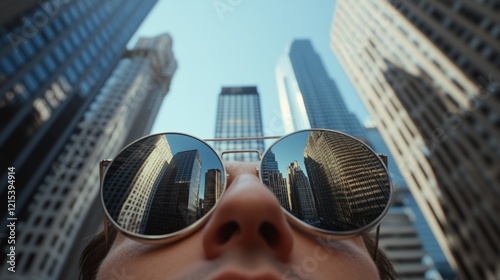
(163,187)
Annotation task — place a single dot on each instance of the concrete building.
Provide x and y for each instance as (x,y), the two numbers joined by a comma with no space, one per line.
(428,73)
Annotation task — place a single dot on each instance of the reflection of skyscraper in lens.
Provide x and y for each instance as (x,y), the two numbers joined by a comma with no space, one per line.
(340,169)
(175,203)
(213,189)
(129,187)
(303,205)
(272,177)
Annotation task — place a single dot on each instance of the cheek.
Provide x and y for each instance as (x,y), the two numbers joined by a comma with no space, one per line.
(343,259)
(129,259)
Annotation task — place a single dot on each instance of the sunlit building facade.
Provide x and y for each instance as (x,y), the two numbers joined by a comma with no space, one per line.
(428,73)
(274,179)
(140,170)
(301,194)
(239,115)
(213,189)
(63,209)
(175,202)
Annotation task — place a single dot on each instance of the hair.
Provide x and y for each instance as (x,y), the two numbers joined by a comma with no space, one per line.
(98,248)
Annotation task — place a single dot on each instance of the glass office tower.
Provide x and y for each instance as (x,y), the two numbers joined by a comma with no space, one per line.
(59,114)
(239,115)
(428,72)
(308,96)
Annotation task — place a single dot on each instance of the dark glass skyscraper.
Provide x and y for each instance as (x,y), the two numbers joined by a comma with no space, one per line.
(55,58)
(239,115)
(310,96)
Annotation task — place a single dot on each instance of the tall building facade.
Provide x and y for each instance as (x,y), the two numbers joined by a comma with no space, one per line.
(304,86)
(64,208)
(308,96)
(238,116)
(409,258)
(428,72)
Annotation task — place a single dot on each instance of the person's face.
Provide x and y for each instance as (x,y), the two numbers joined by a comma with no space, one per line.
(246,237)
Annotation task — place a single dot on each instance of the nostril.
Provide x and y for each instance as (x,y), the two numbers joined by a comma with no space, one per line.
(270,234)
(226,231)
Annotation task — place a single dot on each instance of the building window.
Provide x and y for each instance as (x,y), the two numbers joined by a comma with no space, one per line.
(49,32)
(40,72)
(42,109)
(66,17)
(68,46)
(78,66)
(71,75)
(59,54)
(7,66)
(470,14)
(28,48)
(58,25)
(38,40)
(50,63)
(75,39)
(18,57)
(30,82)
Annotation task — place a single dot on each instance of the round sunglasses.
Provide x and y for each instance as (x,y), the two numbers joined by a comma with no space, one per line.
(163,187)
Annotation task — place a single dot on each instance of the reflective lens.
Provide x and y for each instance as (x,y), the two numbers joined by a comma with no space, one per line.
(162,184)
(328,180)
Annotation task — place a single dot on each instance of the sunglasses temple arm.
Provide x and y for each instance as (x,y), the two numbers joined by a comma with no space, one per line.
(377,231)
(102,166)
(375,253)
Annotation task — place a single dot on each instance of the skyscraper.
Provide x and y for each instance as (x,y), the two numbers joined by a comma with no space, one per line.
(308,96)
(239,115)
(428,72)
(63,198)
(304,86)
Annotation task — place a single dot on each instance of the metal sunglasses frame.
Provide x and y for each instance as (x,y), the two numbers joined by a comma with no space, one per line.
(300,225)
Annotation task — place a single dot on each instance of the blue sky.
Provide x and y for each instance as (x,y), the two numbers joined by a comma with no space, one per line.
(236,43)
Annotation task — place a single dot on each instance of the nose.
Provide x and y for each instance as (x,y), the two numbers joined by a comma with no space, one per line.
(248,217)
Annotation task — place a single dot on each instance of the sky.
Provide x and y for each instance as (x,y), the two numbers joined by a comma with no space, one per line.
(236,43)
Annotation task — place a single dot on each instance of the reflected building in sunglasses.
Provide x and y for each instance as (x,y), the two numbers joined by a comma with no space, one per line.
(239,115)
(273,178)
(429,72)
(175,202)
(136,180)
(340,171)
(213,189)
(302,202)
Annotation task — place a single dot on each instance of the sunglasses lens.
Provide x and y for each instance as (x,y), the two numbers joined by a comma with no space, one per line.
(162,184)
(328,180)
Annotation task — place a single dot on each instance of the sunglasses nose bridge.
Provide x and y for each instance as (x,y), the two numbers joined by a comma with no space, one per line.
(242,151)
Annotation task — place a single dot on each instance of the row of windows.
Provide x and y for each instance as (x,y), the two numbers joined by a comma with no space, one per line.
(25,47)
(42,71)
